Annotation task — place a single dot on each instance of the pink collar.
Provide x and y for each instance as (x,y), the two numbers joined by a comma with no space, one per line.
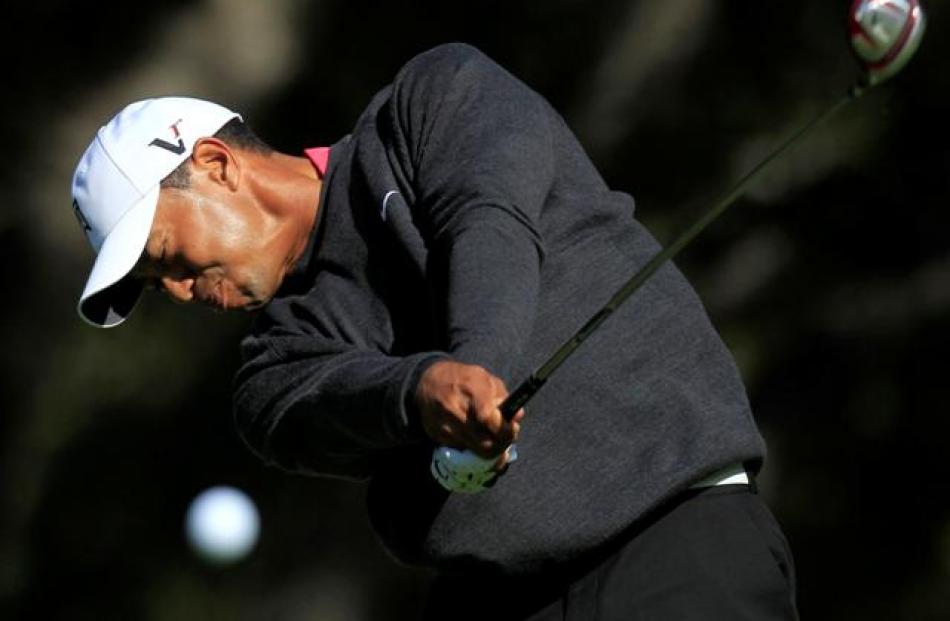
(320,156)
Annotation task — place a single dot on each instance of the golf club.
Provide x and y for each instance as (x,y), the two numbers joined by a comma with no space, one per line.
(884,35)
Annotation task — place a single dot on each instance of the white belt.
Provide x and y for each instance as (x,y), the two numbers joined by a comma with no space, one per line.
(730,475)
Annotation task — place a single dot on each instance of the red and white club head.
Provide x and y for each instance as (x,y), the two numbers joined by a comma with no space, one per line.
(885,34)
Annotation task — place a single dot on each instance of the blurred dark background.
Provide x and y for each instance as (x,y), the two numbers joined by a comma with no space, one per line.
(830,282)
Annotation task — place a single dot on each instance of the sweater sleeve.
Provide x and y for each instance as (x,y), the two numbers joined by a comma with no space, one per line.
(320,406)
(479,145)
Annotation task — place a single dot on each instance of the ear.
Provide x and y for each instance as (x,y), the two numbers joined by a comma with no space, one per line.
(217,162)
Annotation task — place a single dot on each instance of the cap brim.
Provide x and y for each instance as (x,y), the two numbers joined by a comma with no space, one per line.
(110,293)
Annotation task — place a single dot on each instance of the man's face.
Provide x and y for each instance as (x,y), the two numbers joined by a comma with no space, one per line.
(210,244)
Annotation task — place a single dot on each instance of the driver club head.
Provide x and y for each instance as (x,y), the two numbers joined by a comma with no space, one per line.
(884,35)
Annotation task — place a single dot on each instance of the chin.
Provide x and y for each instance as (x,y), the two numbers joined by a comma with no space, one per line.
(252,295)
(255,299)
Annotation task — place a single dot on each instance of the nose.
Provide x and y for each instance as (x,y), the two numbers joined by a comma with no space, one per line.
(180,289)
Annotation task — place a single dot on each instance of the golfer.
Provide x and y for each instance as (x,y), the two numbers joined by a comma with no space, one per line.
(405,277)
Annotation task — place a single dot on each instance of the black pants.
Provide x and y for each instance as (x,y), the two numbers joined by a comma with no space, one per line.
(715,553)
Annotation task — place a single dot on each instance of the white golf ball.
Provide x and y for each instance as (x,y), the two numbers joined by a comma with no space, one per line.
(222,525)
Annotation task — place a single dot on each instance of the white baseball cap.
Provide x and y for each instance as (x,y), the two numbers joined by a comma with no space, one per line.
(115,192)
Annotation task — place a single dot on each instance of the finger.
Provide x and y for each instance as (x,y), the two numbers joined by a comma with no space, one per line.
(469,434)
(446,436)
(455,430)
(504,460)
(484,443)
(491,433)
(484,414)
(501,463)
(491,442)
(488,448)
(518,416)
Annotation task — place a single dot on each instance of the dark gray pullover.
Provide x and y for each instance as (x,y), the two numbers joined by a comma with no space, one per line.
(461,218)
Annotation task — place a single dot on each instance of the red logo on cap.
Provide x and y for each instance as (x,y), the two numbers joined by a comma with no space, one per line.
(177,149)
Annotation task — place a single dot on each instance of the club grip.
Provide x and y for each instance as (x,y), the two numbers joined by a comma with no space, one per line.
(520,396)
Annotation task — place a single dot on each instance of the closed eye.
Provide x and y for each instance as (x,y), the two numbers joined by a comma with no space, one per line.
(149,269)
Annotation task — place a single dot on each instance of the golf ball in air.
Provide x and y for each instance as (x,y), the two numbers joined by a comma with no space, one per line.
(222,524)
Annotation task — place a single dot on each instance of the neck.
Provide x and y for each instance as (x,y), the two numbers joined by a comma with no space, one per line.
(305,205)
(290,190)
